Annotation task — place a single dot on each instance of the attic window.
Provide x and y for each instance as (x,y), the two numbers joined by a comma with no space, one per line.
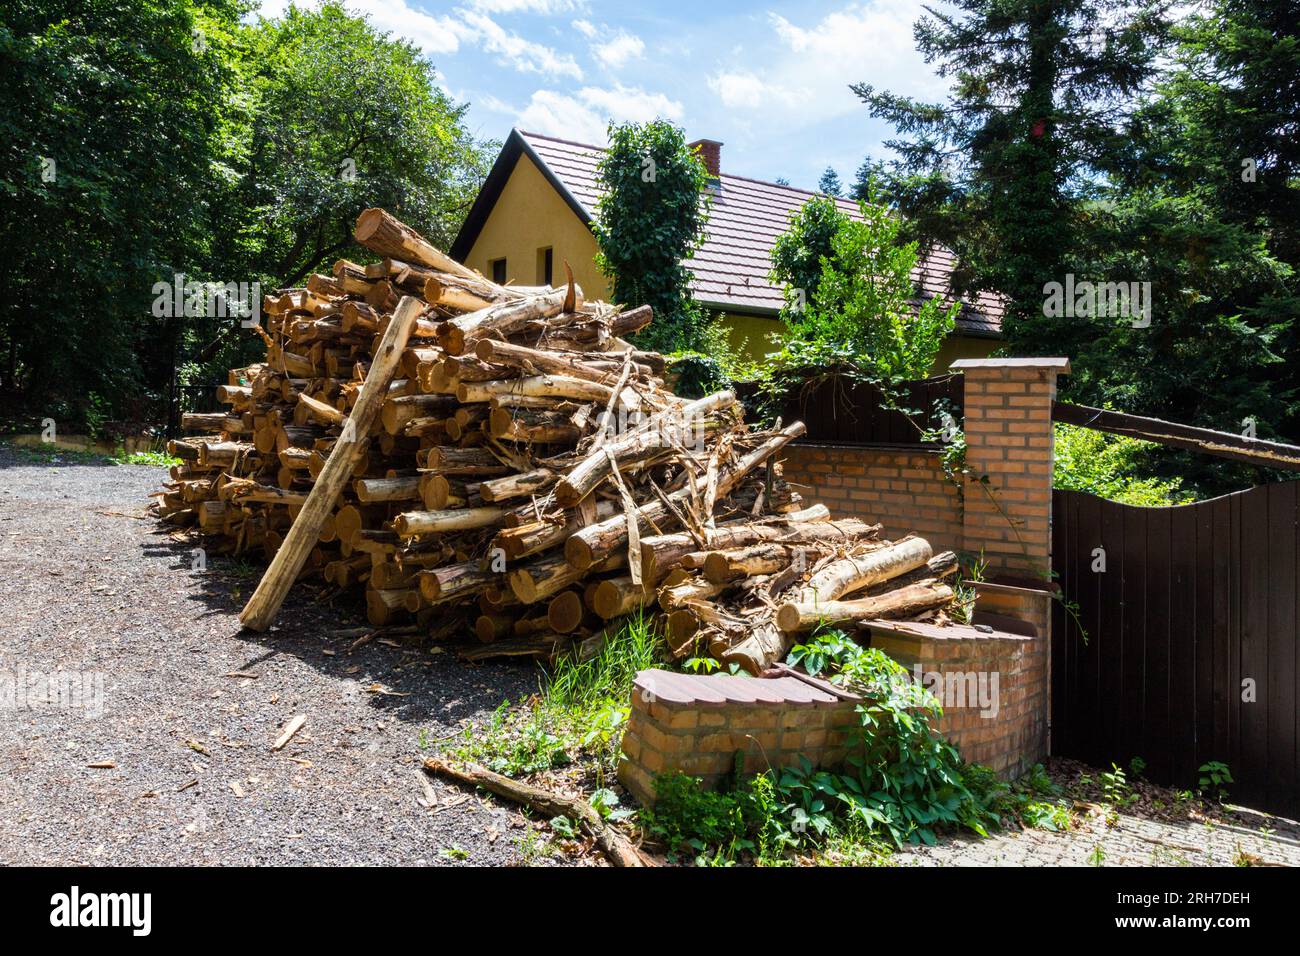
(498,271)
(545,266)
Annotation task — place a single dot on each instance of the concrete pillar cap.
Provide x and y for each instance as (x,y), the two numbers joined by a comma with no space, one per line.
(1059,365)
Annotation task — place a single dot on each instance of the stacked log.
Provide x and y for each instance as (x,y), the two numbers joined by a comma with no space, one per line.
(500,463)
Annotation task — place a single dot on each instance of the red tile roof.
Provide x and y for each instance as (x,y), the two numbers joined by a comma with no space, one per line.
(745,218)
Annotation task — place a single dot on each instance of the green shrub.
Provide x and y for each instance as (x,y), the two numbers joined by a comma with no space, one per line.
(1110,466)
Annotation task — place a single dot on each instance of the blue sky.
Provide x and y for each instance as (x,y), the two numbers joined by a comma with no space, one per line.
(768,80)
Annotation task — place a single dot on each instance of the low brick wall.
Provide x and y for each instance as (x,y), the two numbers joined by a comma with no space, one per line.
(905,490)
(698,723)
(990,683)
(992,687)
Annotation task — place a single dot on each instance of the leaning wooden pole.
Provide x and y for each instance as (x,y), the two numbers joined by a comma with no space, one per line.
(271,591)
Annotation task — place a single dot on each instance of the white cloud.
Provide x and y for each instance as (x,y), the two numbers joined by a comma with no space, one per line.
(623,47)
(446,34)
(585,27)
(745,90)
(584,115)
(542,7)
(806,77)
(515,51)
(431,34)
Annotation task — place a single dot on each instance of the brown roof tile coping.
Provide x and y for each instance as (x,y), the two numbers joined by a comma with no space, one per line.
(933,632)
(717,690)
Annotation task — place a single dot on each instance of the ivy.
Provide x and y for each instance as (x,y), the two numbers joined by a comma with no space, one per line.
(649,221)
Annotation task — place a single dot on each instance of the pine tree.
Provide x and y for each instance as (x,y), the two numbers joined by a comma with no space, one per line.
(829,184)
(1042,93)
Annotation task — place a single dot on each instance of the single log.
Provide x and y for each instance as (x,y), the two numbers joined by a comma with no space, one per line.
(616,847)
(854,573)
(903,602)
(672,598)
(411,523)
(538,386)
(517,486)
(274,586)
(615,597)
(765,645)
(767,558)
(401,409)
(374,490)
(455,581)
(455,335)
(440,493)
(546,648)
(492,627)
(384,234)
(574,364)
(383,607)
(527,425)
(465,461)
(565,612)
(465,294)
(550,574)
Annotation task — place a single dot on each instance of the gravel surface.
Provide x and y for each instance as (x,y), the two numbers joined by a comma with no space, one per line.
(96,590)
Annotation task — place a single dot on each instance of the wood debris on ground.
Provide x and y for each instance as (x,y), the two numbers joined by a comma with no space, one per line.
(499,463)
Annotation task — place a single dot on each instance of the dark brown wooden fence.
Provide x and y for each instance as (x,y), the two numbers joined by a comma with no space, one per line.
(838,410)
(1194,600)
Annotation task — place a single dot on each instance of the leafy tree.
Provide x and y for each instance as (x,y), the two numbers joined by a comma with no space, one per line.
(107,113)
(1213,191)
(1110,466)
(798,252)
(830,184)
(1042,94)
(186,139)
(343,117)
(860,313)
(650,220)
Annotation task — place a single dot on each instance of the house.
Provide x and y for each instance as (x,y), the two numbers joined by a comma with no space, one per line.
(535,209)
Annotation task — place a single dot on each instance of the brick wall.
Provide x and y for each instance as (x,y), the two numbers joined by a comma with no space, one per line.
(905,490)
(992,688)
(698,724)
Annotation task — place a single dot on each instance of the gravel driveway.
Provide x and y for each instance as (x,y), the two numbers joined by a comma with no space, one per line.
(95,590)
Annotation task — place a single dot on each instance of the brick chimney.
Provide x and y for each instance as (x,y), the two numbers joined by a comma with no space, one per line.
(710,151)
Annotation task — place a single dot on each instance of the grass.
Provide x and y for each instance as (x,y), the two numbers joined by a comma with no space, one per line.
(155,458)
(578,713)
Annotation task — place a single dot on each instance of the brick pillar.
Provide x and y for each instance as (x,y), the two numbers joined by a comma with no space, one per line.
(1008,491)
(1007,499)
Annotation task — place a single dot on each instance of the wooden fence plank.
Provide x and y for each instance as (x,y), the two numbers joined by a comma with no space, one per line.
(1182,641)
(1255,597)
(1158,572)
(1279,697)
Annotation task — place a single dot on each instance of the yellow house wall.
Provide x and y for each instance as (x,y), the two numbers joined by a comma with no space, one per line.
(530,215)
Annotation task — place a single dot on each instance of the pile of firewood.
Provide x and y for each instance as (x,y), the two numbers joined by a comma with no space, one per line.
(499,462)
